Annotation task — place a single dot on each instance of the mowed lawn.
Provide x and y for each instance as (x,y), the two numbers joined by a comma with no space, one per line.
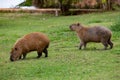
(64,61)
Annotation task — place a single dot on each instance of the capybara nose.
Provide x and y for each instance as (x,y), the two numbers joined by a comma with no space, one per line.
(11,58)
(70,27)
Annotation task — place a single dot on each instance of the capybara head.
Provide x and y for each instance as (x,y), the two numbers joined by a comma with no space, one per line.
(75,27)
(14,54)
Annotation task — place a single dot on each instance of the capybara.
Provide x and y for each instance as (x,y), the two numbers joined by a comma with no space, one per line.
(35,41)
(92,34)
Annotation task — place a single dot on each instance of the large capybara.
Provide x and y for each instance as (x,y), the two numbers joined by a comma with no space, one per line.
(35,41)
(92,34)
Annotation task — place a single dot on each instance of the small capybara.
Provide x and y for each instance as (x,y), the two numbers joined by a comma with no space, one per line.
(35,41)
(92,34)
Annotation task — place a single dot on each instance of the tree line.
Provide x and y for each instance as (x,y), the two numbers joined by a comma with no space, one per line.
(65,5)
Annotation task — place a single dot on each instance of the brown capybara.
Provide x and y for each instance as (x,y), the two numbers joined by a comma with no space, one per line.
(35,41)
(92,34)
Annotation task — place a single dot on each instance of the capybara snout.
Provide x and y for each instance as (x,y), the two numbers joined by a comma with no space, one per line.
(35,41)
(14,54)
(11,59)
(92,34)
(71,27)
(75,27)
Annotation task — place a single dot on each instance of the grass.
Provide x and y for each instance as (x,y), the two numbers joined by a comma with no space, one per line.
(65,61)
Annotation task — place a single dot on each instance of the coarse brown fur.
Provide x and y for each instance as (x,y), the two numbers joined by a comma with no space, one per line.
(35,41)
(93,34)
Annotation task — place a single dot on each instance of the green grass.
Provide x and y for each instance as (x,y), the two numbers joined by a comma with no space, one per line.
(65,61)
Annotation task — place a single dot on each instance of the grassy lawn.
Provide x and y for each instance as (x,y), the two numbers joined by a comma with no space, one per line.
(65,61)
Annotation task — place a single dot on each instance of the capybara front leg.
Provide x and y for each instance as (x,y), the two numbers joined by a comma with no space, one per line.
(24,56)
(46,52)
(81,44)
(20,57)
(39,54)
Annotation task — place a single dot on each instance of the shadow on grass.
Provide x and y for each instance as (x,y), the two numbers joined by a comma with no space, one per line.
(33,58)
(94,49)
(27,59)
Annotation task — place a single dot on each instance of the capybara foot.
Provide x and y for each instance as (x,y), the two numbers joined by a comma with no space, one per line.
(46,55)
(38,57)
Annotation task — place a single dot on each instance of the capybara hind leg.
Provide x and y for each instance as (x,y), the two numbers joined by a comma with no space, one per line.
(46,52)
(111,44)
(105,45)
(39,54)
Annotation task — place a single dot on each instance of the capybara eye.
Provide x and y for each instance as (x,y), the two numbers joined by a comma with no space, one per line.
(16,49)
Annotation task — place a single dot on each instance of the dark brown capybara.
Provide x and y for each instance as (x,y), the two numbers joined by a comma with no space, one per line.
(35,41)
(92,34)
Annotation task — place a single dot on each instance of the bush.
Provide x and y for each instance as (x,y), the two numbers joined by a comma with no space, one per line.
(116,7)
